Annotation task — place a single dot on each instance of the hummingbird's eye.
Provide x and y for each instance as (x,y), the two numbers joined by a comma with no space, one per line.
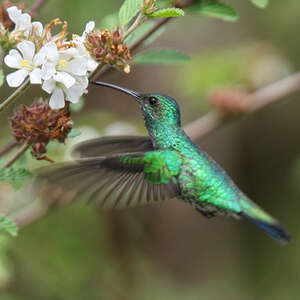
(153,101)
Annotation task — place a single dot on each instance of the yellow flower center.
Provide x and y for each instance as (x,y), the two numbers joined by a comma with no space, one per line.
(27,65)
(62,64)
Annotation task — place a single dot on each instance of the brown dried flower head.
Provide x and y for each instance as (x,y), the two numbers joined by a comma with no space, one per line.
(38,124)
(107,47)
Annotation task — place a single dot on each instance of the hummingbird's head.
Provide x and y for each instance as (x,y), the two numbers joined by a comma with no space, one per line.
(157,109)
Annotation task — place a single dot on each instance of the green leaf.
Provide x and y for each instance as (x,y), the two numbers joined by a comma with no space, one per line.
(161,56)
(1,77)
(15,176)
(167,13)
(128,10)
(218,10)
(7,225)
(260,3)
(110,21)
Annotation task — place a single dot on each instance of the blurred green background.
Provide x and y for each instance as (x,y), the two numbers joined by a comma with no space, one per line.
(169,251)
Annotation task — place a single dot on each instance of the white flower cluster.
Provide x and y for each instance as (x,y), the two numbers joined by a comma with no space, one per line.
(61,71)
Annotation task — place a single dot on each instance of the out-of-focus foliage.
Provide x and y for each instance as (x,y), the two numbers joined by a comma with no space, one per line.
(7,225)
(214,9)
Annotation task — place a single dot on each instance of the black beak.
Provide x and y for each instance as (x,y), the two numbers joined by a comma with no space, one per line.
(119,88)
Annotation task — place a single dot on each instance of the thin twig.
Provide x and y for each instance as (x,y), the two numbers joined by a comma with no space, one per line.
(15,156)
(139,42)
(256,101)
(137,22)
(14,95)
(7,147)
(36,7)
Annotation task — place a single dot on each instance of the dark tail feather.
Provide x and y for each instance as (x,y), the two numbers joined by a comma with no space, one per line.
(276,231)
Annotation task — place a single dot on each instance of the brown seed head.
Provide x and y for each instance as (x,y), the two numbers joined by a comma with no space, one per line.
(38,124)
(108,47)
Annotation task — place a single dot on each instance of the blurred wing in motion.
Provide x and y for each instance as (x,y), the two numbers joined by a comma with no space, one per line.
(111,182)
(107,146)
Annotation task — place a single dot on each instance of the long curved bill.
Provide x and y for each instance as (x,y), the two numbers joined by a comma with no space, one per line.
(119,88)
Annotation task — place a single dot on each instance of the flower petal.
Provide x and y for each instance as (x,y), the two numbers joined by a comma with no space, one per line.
(39,58)
(36,76)
(49,85)
(14,13)
(27,48)
(48,70)
(77,66)
(57,100)
(91,64)
(16,78)
(13,59)
(74,92)
(23,23)
(51,51)
(66,79)
(39,27)
(89,26)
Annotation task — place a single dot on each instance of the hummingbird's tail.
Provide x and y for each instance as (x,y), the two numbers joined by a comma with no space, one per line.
(257,216)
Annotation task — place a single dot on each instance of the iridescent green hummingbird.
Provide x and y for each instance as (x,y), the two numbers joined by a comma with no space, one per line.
(125,171)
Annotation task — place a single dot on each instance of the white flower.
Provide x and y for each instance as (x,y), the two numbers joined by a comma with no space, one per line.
(27,64)
(61,65)
(59,91)
(81,50)
(22,21)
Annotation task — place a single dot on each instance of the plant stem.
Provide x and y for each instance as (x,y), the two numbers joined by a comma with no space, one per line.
(16,155)
(138,21)
(36,7)
(9,146)
(139,42)
(256,101)
(14,95)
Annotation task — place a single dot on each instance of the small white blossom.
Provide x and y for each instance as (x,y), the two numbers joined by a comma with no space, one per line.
(27,64)
(22,21)
(59,91)
(81,49)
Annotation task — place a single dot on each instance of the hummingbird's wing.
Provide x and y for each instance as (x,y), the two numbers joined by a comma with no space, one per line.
(113,145)
(114,182)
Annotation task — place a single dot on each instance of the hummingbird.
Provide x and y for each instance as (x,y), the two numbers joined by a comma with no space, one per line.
(125,171)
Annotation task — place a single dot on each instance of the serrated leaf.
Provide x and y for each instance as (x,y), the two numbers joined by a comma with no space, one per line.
(128,10)
(161,56)
(218,10)
(1,77)
(8,225)
(15,176)
(110,21)
(260,3)
(167,13)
